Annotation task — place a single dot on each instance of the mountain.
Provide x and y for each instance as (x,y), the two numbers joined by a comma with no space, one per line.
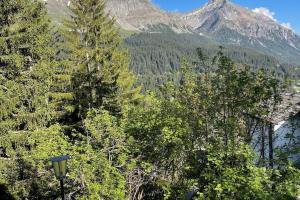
(229,23)
(141,15)
(221,20)
(130,15)
(158,40)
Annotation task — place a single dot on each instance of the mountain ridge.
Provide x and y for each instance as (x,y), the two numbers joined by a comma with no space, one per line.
(230,23)
(132,10)
(138,15)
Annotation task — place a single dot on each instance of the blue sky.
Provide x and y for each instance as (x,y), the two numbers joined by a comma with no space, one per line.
(284,11)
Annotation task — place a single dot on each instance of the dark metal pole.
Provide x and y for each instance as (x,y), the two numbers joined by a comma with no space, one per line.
(62,189)
(271,149)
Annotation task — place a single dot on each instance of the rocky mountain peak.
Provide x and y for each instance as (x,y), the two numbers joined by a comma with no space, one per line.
(220,14)
(217,1)
(230,23)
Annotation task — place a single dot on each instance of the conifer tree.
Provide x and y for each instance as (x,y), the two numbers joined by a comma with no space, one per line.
(29,72)
(33,89)
(103,90)
(101,76)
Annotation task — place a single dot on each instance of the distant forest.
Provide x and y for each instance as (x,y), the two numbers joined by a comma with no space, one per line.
(156,56)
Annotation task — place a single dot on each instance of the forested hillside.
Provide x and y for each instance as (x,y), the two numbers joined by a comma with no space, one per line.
(156,57)
(68,90)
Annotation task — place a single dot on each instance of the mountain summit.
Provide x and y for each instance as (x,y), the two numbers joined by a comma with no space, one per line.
(217,1)
(220,14)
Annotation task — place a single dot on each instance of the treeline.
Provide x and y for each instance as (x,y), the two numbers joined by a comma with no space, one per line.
(70,92)
(156,56)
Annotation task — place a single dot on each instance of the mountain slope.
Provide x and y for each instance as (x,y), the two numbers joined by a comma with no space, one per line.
(130,15)
(139,15)
(232,24)
(156,57)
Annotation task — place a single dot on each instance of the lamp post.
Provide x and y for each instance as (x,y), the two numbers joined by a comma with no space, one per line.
(60,168)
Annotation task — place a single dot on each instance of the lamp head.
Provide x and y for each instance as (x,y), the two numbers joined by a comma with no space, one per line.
(60,166)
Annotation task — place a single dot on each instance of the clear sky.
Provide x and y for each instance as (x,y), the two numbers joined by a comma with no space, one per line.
(284,11)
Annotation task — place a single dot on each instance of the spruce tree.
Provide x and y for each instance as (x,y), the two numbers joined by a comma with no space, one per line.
(33,90)
(103,89)
(101,77)
(29,71)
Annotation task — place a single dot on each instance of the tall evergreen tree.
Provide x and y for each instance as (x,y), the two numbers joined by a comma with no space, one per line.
(32,89)
(101,76)
(103,89)
(29,71)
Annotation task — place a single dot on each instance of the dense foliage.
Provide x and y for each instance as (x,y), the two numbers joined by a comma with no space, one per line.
(71,92)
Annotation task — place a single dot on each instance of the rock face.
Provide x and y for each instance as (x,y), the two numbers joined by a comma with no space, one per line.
(141,15)
(219,14)
(137,14)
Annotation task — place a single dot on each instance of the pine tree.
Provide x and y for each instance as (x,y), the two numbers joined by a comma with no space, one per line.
(28,66)
(103,89)
(33,89)
(101,77)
